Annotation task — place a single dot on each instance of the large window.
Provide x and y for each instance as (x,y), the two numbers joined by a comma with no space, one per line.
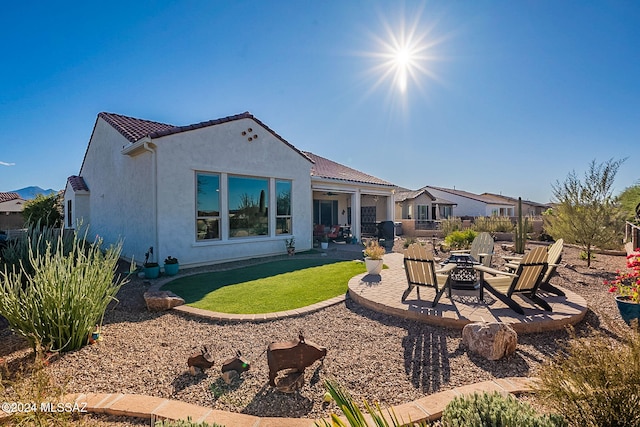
(283,207)
(208,206)
(248,206)
(423,213)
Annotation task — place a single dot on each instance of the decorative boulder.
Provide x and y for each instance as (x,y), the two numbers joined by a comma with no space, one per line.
(492,341)
(162,300)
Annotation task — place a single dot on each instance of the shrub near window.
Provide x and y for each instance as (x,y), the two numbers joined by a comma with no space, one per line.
(61,302)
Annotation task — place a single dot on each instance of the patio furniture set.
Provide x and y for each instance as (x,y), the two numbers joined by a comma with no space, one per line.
(471,270)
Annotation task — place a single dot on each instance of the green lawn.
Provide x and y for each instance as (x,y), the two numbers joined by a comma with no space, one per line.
(269,287)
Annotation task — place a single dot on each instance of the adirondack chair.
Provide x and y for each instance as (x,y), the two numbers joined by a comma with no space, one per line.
(554,256)
(525,280)
(420,268)
(481,249)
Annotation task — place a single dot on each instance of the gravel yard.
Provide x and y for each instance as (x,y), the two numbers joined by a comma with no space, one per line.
(376,357)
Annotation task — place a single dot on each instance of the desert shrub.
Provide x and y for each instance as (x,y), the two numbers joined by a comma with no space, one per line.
(493,224)
(460,239)
(34,240)
(583,255)
(45,211)
(596,381)
(184,423)
(450,225)
(495,410)
(65,297)
(409,241)
(32,385)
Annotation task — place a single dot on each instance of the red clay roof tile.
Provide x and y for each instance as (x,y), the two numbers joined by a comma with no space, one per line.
(78,183)
(5,197)
(325,168)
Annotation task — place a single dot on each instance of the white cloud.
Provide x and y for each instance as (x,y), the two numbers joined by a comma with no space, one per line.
(7,164)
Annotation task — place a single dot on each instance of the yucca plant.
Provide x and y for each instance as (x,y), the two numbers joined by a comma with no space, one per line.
(62,301)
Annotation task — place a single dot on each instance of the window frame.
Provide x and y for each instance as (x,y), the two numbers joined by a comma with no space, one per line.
(231,217)
(199,217)
(288,216)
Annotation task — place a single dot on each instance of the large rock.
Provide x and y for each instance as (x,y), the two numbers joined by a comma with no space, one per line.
(492,341)
(162,300)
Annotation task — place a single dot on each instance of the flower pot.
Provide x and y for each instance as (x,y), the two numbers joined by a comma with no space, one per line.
(629,310)
(152,272)
(171,269)
(291,251)
(324,245)
(374,266)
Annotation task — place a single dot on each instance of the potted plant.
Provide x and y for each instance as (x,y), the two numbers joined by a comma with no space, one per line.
(151,269)
(324,241)
(171,266)
(373,257)
(291,245)
(626,286)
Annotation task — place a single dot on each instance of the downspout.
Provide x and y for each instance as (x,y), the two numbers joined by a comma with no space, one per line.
(154,193)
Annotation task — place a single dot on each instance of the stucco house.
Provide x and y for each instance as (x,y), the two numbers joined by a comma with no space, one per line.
(528,207)
(11,205)
(419,209)
(211,192)
(473,205)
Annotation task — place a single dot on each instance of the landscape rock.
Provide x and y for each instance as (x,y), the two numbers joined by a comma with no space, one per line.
(492,341)
(162,300)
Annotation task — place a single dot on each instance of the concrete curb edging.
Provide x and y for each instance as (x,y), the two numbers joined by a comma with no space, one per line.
(428,408)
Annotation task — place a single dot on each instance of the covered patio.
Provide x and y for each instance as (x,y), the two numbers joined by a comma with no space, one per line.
(349,198)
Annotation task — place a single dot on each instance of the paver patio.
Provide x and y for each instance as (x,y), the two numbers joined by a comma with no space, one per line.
(383,293)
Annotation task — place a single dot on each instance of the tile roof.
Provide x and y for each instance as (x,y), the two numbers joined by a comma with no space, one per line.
(78,183)
(136,129)
(405,194)
(325,168)
(472,196)
(5,197)
(512,199)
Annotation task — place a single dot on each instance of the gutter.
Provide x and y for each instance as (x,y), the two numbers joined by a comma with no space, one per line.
(146,146)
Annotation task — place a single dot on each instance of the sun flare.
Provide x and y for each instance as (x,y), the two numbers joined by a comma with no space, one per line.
(403,55)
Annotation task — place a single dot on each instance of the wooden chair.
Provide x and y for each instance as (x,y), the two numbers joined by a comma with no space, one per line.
(554,256)
(524,281)
(420,268)
(481,249)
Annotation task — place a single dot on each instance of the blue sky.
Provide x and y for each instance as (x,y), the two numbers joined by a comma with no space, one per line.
(508,96)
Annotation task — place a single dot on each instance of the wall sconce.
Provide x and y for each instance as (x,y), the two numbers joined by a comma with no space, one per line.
(343,211)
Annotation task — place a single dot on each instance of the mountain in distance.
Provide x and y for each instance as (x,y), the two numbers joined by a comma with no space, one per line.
(29,193)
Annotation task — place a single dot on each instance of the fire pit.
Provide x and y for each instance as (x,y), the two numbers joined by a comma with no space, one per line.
(463,276)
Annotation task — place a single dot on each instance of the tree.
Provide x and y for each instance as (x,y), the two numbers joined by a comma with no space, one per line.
(586,213)
(46,210)
(630,201)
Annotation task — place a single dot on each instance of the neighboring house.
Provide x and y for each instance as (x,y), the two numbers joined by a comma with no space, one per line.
(528,207)
(211,192)
(11,205)
(473,205)
(422,207)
